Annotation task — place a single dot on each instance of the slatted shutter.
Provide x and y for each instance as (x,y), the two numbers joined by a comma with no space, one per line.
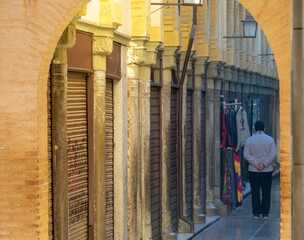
(203,156)
(173,159)
(109,161)
(189,154)
(155,161)
(77,132)
(50,168)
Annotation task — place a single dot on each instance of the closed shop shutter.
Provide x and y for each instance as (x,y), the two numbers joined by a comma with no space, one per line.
(155,161)
(77,133)
(203,156)
(50,169)
(173,158)
(189,155)
(109,161)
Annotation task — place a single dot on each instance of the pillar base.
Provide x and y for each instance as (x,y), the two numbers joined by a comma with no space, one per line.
(169,236)
(222,209)
(183,227)
(211,210)
(199,218)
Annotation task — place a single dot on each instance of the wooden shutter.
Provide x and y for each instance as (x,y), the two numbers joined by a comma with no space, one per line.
(109,161)
(189,154)
(203,156)
(173,158)
(155,161)
(50,163)
(77,132)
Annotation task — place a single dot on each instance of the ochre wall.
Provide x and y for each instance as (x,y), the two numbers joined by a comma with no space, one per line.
(29,34)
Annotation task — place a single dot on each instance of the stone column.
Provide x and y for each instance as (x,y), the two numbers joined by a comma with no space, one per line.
(211,210)
(228,81)
(239,83)
(168,64)
(144,150)
(132,93)
(216,68)
(59,132)
(59,139)
(246,91)
(138,149)
(102,46)
(233,83)
(252,84)
(198,217)
(258,84)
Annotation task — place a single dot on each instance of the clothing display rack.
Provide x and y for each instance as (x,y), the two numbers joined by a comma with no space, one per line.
(231,154)
(232,104)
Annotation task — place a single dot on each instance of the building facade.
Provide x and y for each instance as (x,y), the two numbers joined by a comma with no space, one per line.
(130,151)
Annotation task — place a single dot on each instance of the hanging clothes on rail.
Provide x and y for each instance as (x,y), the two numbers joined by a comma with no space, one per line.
(232,128)
(224,130)
(227,192)
(238,178)
(235,132)
(233,180)
(242,128)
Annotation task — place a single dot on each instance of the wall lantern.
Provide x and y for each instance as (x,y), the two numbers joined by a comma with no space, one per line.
(250,26)
(184,3)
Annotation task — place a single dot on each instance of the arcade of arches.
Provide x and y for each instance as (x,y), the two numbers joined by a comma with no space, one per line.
(30,32)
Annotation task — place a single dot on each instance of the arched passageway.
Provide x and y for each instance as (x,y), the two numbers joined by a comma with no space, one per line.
(30,44)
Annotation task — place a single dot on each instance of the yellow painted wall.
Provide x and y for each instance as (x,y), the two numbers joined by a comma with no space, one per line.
(92,11)
(126,16)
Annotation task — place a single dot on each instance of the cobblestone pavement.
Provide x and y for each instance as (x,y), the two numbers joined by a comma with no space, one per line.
(239,225)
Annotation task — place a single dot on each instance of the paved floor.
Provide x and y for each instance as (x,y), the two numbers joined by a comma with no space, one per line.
(239,224)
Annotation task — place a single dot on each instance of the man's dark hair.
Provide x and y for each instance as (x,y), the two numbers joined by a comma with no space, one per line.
(259,126)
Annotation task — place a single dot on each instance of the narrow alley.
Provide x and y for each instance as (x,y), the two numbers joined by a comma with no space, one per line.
(127,119)
(239,225)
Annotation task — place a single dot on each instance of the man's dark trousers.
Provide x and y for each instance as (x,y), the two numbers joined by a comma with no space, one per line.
(260,180)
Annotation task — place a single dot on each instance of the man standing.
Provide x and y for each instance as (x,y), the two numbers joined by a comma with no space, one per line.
(260,151)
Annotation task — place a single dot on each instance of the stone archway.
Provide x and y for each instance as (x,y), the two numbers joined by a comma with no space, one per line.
(26,50)
(29,36)
(275,18)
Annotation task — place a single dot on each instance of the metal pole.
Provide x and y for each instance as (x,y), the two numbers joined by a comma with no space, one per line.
(180,134)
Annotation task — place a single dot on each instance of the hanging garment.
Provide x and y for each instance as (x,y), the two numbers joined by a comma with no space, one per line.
(233,182)
(224,130)
(227,193)
(242,128)
(238,178)
(227,121)
(232,128)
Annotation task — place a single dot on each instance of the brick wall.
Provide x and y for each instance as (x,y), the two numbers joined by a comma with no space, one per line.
(29,34)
